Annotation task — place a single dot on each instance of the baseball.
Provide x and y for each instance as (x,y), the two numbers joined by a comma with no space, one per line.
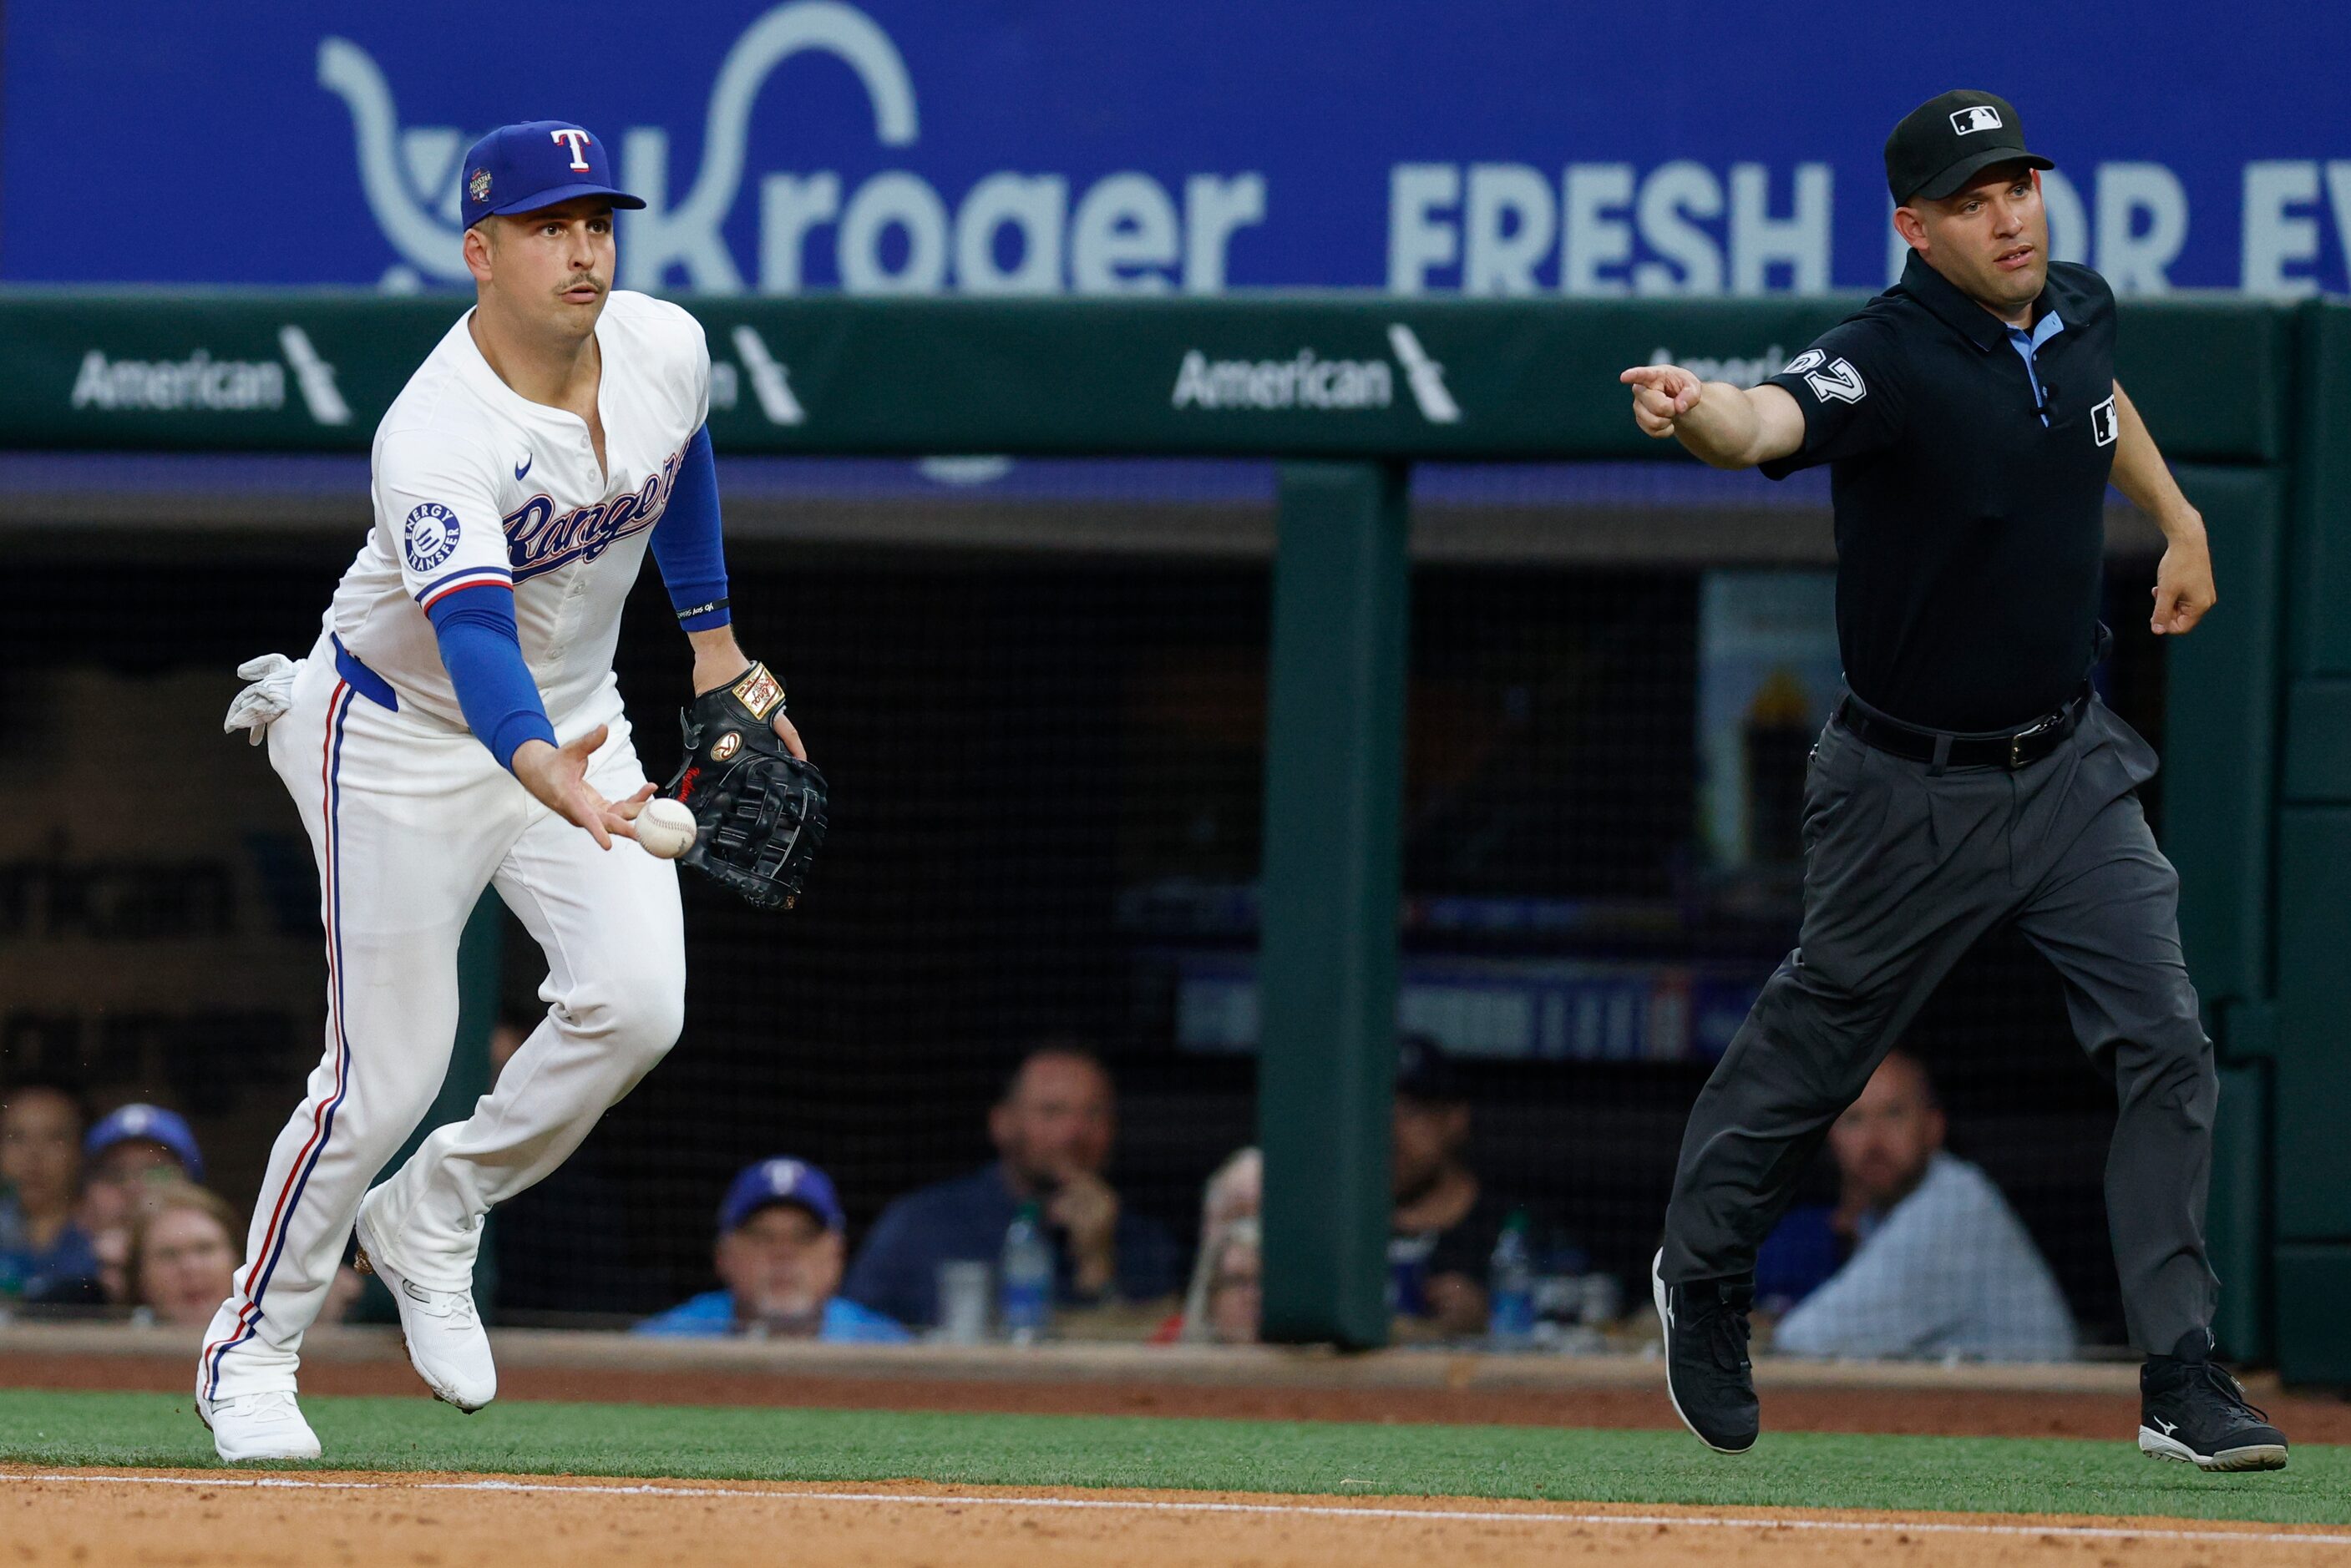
(665,829)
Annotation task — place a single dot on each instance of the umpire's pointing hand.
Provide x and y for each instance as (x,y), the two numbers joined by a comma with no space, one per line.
(1661,394)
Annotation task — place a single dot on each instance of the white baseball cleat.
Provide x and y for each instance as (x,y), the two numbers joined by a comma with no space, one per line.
(258,1426)
(443,1333)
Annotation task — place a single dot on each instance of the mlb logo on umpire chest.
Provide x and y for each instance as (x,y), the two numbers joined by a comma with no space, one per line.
(2104,424)
(1983,117)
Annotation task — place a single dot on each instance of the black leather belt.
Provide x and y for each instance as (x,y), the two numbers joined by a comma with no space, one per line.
(2010,748)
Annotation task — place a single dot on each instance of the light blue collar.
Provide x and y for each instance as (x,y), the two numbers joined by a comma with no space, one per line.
(2024,343)
(2045,328)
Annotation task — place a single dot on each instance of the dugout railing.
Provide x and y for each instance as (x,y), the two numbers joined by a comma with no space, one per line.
(2252,402)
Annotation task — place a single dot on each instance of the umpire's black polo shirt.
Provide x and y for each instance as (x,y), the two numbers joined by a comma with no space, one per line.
(1970,537)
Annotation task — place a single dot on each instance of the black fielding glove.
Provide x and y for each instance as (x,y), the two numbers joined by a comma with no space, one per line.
(758,811)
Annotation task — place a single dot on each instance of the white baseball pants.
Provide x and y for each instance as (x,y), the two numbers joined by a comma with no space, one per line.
(410,820)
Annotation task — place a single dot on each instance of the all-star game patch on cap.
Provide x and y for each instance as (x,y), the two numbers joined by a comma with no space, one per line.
(1947,141)
(522,168)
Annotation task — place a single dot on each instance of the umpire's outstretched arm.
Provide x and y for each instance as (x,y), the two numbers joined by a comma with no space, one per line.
(1724,426)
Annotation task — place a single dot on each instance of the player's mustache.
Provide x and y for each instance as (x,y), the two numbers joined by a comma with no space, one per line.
(601,285)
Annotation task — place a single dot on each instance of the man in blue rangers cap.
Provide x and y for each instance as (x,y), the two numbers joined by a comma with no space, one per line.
(779,1257)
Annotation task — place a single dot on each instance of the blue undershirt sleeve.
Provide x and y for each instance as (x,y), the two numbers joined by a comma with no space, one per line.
(476,627)
(687,545)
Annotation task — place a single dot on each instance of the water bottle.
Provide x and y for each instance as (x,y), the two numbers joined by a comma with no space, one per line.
(1025,1287)
(1511,1287)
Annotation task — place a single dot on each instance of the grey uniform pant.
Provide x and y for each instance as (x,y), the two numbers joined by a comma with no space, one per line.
(1904,871)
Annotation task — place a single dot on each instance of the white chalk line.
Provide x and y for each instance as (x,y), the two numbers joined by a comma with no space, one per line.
(1257,1510)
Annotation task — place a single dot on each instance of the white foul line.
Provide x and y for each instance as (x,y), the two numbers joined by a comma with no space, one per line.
(1262,1509)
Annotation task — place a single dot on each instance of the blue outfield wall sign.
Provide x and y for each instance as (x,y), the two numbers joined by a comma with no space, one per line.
(927,146)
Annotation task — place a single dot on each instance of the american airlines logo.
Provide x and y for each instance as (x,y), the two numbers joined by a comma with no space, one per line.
(770,383)
(1309,380)
(202,384)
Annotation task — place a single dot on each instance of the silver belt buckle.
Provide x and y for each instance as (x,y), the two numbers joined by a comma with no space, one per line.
(2016,741)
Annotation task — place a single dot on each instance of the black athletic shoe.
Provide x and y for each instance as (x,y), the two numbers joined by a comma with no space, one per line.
(1708,1375)
(2192,1410)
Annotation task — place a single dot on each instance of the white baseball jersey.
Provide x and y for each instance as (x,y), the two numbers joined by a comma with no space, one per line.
(410,817)
(476,483)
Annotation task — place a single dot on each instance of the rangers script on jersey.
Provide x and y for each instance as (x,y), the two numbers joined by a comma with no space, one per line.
(474,484)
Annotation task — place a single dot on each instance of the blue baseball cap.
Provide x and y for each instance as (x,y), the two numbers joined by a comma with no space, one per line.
(150,1124)
(781,1182)
(522,168)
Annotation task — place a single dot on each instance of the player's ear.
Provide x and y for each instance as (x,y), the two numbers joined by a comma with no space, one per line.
(478,247)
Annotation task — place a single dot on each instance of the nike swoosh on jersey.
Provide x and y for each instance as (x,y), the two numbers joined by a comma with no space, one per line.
(523,466)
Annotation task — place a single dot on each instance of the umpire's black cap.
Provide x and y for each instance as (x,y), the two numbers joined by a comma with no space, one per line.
(1948,141)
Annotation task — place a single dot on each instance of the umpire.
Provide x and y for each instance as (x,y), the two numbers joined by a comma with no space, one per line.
(1970,778)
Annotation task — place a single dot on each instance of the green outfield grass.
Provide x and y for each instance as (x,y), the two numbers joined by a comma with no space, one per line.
(1954,1474)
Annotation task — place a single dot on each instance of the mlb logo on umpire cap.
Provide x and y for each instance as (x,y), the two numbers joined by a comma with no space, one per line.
(1948,140)
(536,164)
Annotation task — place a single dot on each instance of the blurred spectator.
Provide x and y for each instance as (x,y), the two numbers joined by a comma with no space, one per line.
(183,1250)
(561,1246)
(1223,1304)
(1052,1130)
(1939,1264)
(1447,1220)
(778,1261)
(43,1250)
(1234,1303)
(130,1151)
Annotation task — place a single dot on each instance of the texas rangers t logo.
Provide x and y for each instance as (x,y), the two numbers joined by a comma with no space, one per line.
(576,138)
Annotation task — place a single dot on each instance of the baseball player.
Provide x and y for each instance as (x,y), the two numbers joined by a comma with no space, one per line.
(1970,776)
(458,724)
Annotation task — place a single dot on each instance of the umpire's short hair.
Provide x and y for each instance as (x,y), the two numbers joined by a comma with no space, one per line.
(1068,1047)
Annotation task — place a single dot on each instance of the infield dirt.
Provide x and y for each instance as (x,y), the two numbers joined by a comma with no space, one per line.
(196,1520)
